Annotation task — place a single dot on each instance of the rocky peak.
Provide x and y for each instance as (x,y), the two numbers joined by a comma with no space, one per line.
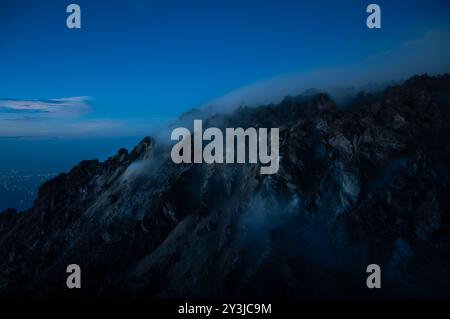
(360,184)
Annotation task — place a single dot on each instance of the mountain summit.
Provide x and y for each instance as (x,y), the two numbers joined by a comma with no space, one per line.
(363,184)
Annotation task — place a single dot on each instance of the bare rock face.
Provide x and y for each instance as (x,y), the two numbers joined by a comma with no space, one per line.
(363,184)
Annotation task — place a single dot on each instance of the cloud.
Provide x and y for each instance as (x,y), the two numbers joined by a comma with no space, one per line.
(426,54)
(79,127)
(23,119)
(67,118)
(62,128)
(71,106)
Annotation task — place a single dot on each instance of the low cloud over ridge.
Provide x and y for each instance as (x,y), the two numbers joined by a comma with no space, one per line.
(426,54)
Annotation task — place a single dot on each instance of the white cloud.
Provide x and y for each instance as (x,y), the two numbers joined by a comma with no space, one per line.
(79,127)
(427,54)
(67,117)
(71,106)
(63,117)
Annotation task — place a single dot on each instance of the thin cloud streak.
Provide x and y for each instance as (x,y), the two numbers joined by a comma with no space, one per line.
(79,128)
(71,106)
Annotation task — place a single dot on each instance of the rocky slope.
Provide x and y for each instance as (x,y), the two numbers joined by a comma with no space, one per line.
(368,183)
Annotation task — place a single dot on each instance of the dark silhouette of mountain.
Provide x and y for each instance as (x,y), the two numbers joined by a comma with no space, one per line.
(364,184)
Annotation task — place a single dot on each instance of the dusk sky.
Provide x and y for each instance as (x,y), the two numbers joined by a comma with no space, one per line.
(136,64)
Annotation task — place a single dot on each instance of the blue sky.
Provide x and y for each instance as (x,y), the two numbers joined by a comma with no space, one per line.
(136,64)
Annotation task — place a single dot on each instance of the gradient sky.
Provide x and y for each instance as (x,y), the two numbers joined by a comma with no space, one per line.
(137,63)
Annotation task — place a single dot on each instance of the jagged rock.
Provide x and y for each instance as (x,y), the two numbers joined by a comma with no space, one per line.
(362,184)
(428,219)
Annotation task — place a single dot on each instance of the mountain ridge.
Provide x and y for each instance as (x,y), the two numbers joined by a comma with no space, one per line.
(359,185)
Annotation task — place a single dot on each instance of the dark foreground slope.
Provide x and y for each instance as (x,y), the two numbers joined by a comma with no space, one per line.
(364,184)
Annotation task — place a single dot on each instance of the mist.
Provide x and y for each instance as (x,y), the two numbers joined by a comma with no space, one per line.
(426,54)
